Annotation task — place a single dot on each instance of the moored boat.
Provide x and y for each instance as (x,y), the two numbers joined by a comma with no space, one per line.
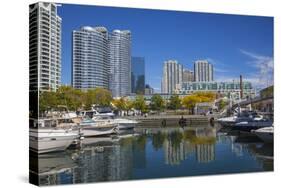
(123,123)
(90,127)
(247,126)
(244,116)
(266,134)
(45,136)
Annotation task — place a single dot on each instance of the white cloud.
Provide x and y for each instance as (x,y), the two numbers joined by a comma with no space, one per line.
(264,65)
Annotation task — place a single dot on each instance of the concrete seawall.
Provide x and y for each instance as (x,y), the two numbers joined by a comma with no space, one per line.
(170,120)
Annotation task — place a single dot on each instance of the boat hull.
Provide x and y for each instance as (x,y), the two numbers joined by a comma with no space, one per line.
(49,140)
(265,134)
(249,126)
(89,131)
(53,144)
(266,137)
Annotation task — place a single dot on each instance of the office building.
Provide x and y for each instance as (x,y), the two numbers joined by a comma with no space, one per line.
(138,75)
(44,47)
(203,71)
(227,89)
(172,76)
(187,76)
(90,58)
(120,63)
(148,90)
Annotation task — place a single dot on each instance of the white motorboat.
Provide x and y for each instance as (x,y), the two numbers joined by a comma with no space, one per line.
(92,113)
(122,122)
(90,127)
(44,139)
(125,123)
(265,134)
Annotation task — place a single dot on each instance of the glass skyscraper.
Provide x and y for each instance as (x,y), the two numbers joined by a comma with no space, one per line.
(44,47)
(138,75)
(120,63)
(90,58)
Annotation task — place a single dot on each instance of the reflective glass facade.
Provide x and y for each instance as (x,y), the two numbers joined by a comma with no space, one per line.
(90,58)
(120,63)
(138,75)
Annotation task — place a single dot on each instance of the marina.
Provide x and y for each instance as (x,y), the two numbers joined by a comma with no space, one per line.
(68,147)
(74,147)
(155,152)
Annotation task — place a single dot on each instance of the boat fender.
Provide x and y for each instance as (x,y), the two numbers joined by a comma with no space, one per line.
(164,122)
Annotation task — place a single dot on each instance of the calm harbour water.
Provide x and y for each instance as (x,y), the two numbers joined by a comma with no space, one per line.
(156,153)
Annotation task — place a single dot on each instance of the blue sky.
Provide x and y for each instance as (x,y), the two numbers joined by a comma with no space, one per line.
(234,44)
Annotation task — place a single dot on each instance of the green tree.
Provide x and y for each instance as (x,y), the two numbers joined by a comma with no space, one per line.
(70,97)
(74,98)
(97,96)
(174,102)
(157,103)
(119,104)
(102,97)
(190,102)
(89,99)
(123,104)
(47,100)
(139,103)
(129,105)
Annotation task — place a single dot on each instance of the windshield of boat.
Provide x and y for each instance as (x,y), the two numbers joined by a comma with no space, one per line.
(42,123)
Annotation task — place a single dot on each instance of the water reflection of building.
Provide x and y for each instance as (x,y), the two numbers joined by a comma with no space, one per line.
(205,153)
(103,161)
(205,132)
(174,154)
(120,163)
(53,169)
(114,163)
(63,177)
(179,145)
(237,149)
(139,154)
(176,149)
